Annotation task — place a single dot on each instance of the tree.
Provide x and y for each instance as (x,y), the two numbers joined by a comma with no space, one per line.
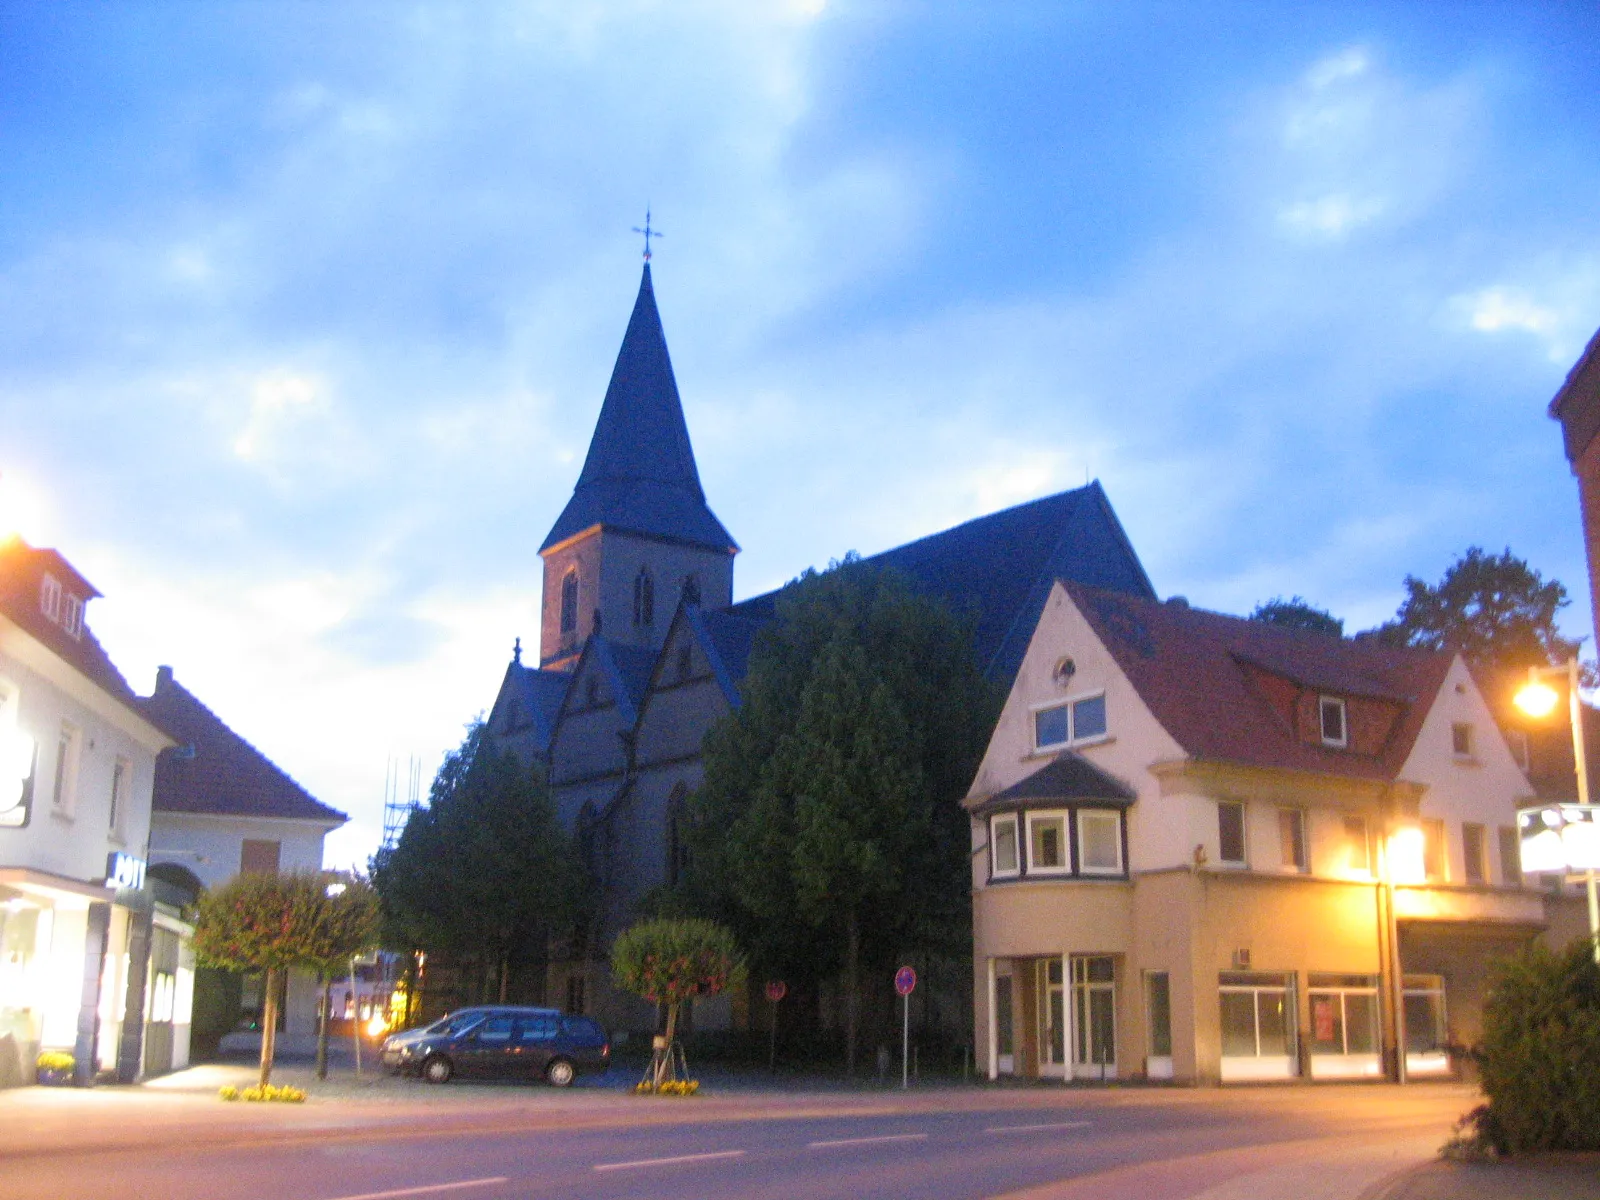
(485,872)
(669,962)
(267,923)
(350,925)
(1297,613)
(1494,609)
(828,830)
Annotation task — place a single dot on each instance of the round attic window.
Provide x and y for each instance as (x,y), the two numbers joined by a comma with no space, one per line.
(1064,671)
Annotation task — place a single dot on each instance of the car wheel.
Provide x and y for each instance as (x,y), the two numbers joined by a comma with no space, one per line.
(560,1073)
(438,1069)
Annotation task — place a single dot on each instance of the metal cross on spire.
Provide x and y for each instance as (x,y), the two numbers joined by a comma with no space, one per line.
(648,233)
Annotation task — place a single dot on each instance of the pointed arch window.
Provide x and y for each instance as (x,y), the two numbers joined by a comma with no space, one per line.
(644,599)
(691,590)
(569,601)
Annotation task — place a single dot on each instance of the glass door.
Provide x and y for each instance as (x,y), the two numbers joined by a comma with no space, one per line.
(1094,1010)
(1052,1017)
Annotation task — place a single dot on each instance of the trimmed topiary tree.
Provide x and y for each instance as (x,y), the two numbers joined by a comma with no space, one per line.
(1540,1058)
(669,961)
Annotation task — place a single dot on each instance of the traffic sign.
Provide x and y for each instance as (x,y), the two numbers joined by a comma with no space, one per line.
(777,989)
(905,981)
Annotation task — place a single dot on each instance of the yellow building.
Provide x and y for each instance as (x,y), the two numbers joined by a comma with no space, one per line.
(1210,849)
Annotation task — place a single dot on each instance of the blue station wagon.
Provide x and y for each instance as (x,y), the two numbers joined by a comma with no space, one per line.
(501,1043)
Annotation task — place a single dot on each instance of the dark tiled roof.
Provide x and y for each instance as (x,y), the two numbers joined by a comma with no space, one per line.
(640,475)
(537,695)
(1068,778)
(227,776)
(22,568)
(628,668)
(999,569)
(1577,404)
(1190,668)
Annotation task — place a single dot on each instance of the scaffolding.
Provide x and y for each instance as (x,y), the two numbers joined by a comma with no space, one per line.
(396,812)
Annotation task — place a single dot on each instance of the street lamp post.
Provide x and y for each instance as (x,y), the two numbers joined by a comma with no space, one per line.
(1549,840)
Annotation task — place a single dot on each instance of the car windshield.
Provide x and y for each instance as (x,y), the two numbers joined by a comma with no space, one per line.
(456,1022)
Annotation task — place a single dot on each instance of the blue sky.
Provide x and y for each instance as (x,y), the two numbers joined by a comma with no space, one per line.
(306,310)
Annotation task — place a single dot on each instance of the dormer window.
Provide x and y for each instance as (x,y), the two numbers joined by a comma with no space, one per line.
(1331,714)
(60,606)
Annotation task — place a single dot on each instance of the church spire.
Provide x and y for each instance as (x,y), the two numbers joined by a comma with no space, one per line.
(640,475)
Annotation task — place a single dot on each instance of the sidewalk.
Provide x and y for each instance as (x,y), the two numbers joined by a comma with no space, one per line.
(1547,1177)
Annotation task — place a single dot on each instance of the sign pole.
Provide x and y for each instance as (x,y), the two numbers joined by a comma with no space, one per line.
(905,982)
(777,989)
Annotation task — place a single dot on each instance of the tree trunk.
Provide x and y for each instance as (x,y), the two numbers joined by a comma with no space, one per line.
(269,1024)
(663,1061)
(852,990)
(322,1026)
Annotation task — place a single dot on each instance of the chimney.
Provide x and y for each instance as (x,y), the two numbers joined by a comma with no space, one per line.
(163,679)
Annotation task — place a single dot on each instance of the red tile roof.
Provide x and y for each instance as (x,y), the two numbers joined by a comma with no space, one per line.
(226,775)
(1209,680)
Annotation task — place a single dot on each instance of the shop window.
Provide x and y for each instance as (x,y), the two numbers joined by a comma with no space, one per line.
(1474,852)
(1434,857)
(1331,713)
(1357,845)
(1075,722)
(1510,856)
(1344,1014)
(259,856)
(1230,833)
(1423,998)
(1099,842)
(1047,844)
(1257,1015)
(1003,847)
(1292,839)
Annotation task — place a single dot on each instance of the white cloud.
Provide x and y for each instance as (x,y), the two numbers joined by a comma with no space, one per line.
(277,400)
(1331,216)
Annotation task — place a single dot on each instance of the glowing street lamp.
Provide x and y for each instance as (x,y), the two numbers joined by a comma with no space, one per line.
(1562,838)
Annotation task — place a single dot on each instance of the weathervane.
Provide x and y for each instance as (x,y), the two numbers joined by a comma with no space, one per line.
(648,233)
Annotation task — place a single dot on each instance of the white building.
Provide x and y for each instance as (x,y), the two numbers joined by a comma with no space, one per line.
(222,807)
(85,940)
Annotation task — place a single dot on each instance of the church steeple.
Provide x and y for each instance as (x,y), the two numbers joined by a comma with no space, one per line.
(637,534)
(640,475)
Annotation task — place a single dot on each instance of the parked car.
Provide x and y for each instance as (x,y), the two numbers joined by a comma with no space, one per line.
(498,1042)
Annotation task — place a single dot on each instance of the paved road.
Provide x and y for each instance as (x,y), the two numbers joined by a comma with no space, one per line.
(1303,1143)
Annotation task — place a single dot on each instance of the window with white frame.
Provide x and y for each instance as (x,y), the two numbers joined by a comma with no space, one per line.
(50,597)
(64,790)
(1072,722)
(1357,845)
(1099,841)
(1048,853)
(121,774)
(71,615)
(1292,839)
(1003,860)
(1331,715)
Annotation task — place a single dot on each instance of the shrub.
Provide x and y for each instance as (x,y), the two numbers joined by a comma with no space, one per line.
(55,1060)
(1540,1057)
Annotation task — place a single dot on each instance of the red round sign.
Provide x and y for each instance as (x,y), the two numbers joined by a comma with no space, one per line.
(777,989)
(905,981)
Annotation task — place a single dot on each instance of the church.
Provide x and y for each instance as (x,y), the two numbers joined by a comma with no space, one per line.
(642,647)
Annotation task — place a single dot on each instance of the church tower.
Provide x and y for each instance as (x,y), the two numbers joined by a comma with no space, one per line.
(637,534)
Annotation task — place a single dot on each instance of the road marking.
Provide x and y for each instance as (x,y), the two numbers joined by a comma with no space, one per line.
(867,1141)
(667,1162)
(1036,1128)
(423,1191)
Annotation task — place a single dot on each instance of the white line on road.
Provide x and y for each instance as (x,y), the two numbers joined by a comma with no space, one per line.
(667,1162)
(1036,1128)
(867,1141)
(423,1191)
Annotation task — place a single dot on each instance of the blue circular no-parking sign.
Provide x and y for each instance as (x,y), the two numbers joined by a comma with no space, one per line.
(905,981)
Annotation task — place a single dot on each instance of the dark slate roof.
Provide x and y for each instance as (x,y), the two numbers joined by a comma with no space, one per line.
(640,475)
(1190,667)
(628,668)
(1068,778)
(22,569)
(226,776)
(727,639)
(537,696)
(1577,404)
(999,569)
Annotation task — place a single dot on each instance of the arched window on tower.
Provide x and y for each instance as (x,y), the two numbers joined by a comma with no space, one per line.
(691,590)
(644,599)
(569,601)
